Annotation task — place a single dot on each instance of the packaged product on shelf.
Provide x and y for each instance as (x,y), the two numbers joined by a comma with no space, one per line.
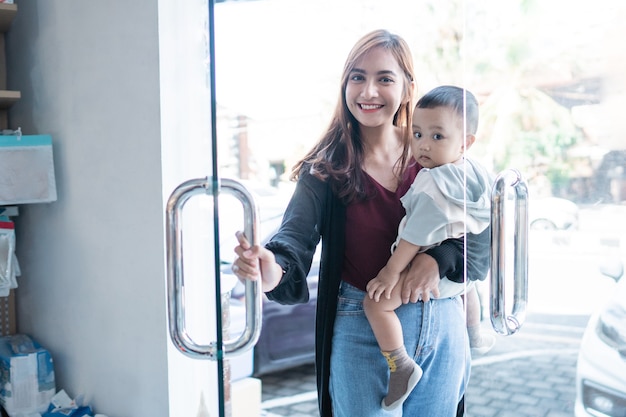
(61,405)
(7,257)
(26,376)
(26,169)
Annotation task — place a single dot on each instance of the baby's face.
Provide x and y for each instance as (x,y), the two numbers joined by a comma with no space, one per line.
(438,136)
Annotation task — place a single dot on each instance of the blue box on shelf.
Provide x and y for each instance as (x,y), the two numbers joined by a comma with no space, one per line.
(26,375)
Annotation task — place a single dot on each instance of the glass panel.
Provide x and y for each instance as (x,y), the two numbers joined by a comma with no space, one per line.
(546,72)
(185,128)
(548,75)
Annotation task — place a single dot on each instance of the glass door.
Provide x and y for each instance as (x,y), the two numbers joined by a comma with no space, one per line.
(549,78)
(551,86)
(198,295)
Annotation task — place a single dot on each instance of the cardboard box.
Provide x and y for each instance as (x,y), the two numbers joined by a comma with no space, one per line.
(26,375)
(246,397)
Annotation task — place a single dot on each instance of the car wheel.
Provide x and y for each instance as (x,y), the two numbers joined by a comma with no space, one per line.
(542,224)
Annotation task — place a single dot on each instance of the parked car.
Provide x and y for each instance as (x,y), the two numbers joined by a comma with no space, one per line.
(601,366)
(287,336)
(552,213)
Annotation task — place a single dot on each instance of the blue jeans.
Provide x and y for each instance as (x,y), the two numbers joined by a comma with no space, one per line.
(434,333)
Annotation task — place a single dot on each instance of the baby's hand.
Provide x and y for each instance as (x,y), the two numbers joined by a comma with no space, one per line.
(382,284)
(375,288)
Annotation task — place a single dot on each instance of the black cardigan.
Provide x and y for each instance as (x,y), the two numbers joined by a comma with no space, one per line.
(315,213)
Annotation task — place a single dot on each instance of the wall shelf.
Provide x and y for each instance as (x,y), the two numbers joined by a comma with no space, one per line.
(8,98)
(7,13)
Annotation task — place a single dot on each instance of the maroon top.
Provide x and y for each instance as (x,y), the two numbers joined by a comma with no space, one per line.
(371,229)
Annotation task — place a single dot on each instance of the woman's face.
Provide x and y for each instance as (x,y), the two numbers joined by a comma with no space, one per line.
(375,88)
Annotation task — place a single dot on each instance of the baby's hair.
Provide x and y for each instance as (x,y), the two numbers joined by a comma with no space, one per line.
(462,101)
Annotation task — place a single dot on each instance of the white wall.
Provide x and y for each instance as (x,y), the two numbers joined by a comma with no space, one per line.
(92,289)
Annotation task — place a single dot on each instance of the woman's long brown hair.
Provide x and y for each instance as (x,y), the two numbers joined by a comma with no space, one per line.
(338,155)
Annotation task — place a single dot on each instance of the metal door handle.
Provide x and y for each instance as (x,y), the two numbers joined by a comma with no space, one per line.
(501,322)
(175,274)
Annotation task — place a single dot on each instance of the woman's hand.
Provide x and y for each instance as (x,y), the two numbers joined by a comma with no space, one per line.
(421,280)
(254,262)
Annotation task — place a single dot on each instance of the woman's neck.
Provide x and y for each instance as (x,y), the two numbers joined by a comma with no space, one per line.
(381,140)
(383,148)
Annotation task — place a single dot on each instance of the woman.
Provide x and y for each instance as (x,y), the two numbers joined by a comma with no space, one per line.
(348,195)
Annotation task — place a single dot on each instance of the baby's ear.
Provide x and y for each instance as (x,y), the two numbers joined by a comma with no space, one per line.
(469,141)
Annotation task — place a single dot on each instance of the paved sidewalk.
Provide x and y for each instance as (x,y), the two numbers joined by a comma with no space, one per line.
(291,393)
(530,374)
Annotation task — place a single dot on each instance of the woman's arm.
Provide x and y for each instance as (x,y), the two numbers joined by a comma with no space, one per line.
(452,262)
(447,260)
(295,242)
(284,263)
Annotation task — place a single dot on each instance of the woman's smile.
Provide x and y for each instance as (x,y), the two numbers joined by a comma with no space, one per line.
(369,107)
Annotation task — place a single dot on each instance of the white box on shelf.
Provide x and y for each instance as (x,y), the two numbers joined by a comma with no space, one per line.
(26,170)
